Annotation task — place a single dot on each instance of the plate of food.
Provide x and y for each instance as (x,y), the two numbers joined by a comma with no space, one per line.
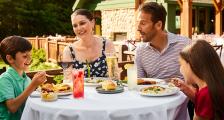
(149,81)
(94,81)
(60,89)
(63,89)
(109,87)
(158,90)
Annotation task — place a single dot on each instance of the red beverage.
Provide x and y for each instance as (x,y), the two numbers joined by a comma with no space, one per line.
(78,83)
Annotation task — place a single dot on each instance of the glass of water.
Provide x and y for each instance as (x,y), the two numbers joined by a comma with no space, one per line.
(132,77)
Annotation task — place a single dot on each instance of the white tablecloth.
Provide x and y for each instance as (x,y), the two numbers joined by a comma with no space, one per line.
(128,105)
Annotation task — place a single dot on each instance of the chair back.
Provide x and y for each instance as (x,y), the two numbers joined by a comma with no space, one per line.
(2,70)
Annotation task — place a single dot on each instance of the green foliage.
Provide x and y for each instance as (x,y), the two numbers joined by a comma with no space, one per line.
(39,61)
(2,64)
(35,17)
(58,78)
(39,54)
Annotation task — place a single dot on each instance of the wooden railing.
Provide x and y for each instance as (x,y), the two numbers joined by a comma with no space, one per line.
(53,46)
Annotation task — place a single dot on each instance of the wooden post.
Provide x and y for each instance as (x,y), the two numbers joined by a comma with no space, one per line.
(186,17)
(47,46)
(57,51)
(137,5)
(218,16)
(37,43)
(206,27)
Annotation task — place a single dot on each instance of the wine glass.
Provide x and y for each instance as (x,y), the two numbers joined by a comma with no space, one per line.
(67,67)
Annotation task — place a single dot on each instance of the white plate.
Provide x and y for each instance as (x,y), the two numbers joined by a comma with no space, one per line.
(94,84)
(65,93)
(168,91)
(38,90)
(37,94)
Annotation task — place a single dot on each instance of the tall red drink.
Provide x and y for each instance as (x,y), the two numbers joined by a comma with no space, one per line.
(78,83)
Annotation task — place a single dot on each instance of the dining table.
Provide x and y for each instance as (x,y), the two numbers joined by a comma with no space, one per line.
(127,105)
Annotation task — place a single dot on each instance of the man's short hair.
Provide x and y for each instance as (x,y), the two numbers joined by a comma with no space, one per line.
(158,12)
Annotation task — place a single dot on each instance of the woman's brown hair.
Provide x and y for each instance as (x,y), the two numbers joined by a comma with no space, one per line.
(206,64)
(83,12)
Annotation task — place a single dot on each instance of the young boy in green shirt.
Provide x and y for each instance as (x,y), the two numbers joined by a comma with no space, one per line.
(15,85)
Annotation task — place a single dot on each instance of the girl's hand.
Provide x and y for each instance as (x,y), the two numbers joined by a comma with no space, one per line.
(178,83)
(39,78)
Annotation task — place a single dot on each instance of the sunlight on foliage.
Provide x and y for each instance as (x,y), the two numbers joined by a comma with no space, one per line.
(39,61)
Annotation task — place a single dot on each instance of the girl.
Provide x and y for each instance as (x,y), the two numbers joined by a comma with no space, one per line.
(201,67)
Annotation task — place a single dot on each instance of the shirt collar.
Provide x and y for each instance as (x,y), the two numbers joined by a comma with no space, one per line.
(15,74)
(171,39)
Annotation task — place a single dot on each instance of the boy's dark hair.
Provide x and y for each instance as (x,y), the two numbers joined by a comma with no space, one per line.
(12,45)
(158,12)
(83,12)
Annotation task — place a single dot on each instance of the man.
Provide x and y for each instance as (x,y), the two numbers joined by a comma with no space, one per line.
(157,56)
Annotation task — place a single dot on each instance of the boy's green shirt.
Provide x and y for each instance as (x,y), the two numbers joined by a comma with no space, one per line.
(11,86)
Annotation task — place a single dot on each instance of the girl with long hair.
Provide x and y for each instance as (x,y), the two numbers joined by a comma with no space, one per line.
(202,68)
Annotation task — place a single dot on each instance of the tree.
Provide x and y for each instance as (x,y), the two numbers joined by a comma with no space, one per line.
(35,17)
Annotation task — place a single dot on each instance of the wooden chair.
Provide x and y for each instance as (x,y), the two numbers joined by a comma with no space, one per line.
(121,65)
(2,70)
(218,47)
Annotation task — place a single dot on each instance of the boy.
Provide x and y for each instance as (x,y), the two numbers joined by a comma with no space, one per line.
(15,85)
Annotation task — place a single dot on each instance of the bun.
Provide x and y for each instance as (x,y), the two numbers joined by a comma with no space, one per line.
(49,96)
(60,88)
(47,88)
(63,88)
(108,85)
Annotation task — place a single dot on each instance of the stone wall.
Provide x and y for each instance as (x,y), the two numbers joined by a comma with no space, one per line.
(118,20)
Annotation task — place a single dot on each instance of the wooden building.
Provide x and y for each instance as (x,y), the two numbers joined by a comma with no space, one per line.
(116,19)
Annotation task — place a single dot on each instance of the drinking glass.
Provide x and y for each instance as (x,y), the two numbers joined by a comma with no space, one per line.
(67,67)
(132,77)
(78,83)
(112,65)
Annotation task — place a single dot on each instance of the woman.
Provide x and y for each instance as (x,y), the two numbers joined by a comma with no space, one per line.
(89,51)
(201,67)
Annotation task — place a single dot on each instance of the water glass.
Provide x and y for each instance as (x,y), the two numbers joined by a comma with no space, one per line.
(132,77)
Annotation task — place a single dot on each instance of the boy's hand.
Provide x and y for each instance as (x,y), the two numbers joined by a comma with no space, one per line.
(39,78)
